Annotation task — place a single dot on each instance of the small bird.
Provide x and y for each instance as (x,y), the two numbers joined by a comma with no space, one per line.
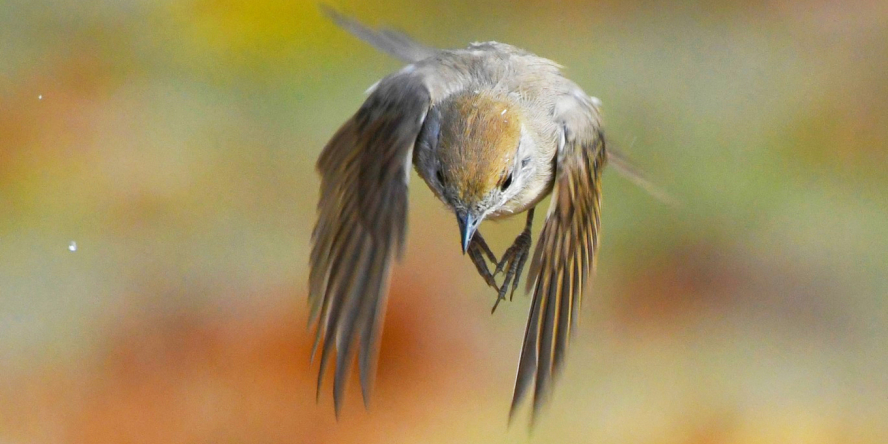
(492,130)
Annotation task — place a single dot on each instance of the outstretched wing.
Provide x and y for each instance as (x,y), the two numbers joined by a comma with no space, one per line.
(362,217)
(565,254)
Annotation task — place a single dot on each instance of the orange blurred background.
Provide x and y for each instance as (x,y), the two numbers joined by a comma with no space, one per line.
(157,188)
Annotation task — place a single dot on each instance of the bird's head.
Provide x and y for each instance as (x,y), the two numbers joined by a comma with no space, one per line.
(474,152)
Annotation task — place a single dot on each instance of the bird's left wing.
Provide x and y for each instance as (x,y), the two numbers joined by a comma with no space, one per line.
(565,254)
(362,218)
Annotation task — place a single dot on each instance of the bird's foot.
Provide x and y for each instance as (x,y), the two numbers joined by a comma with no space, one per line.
(513,261)
(477,251)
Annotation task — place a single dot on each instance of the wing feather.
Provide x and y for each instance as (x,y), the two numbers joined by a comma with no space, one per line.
(362,219)
(565,254)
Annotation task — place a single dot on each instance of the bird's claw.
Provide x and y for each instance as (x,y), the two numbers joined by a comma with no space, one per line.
(477,251)
(512,263)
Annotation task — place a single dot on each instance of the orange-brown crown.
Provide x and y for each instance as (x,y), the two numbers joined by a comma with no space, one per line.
(479,138)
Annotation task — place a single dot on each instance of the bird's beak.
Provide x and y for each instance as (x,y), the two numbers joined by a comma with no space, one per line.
(468,224)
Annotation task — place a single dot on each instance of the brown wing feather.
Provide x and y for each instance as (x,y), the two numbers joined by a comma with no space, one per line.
(362,219)
(563,260)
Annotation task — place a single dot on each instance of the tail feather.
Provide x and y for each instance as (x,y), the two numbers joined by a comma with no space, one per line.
(388,41)
(626,169)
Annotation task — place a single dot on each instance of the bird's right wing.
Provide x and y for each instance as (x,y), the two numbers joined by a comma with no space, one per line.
(362,218)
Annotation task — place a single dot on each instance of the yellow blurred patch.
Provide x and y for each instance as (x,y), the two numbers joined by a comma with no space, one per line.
(262,29)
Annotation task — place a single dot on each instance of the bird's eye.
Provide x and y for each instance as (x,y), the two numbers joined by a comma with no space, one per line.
(525,162)
(440,176)
(507,182)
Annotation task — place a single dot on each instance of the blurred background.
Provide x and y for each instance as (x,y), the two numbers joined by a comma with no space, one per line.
(157,192)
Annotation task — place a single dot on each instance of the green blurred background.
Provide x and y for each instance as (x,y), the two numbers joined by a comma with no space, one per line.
(174,142)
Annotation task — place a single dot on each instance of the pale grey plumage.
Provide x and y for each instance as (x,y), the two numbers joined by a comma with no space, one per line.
(443,113)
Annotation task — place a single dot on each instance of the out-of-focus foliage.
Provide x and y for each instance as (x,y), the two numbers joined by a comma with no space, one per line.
(175,143)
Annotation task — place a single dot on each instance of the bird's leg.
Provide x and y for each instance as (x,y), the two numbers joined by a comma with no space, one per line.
(477,250)
(513,261)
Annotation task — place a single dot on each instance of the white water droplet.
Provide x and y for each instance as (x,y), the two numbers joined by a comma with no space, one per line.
(40,97)
(72,246)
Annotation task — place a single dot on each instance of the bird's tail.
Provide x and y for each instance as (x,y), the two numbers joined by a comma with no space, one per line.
(388,41)
(626,169)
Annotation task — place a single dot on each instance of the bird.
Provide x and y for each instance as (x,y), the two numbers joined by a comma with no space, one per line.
(493,130)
